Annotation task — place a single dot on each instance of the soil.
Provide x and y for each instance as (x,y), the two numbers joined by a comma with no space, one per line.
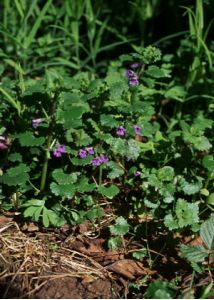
(72,263)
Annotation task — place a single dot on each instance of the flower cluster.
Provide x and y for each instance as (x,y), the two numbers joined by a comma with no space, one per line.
(36,122)
(87,151)
(133,78)
(59,150)
(97,161)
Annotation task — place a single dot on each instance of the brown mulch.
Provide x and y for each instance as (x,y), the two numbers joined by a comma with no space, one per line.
(74,263)
(42,264)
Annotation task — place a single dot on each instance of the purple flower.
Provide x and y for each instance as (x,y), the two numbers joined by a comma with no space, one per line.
(82,153)
(89,150)
(59,150)
(96,161)
(130,73)
(137,129)
(3,143)
(121,131)
(3,146)
(36,122)
(137,173)
(133,78)
(104,159)
(135,65)
(133,81)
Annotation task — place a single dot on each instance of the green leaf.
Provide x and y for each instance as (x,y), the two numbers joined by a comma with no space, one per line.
(170,222)
(116,170)
(187,213)
(62,178)
(29,212)
(37,213)
(33,202)
(176,92)
(45,218)
(166,173)
(139,254)
(161,290)
(117,85)
(210,199)
(27,139)
(207,233)
(109,192)
(201,143)
(109,121)
(115,242)
(155,72)
(208,162)
(193,253)
(121,227)
(190,188)
(63,190)
(84,186)
(15,157)
(16,176)
(95,213)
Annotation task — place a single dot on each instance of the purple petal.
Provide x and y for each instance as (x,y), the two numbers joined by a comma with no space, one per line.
(130,73)
(96,161)
(135,65)
(90,150)
(133,82)
(82,153)
(36,122)
(137,173)
(121,131)
(57,153)
(3,146)
(104,159)
(137,129)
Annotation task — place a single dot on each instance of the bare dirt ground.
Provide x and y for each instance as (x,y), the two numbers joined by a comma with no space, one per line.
(72,263)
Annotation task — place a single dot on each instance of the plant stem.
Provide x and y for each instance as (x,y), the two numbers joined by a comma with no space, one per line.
(49,143)
(45,165)
(100,174)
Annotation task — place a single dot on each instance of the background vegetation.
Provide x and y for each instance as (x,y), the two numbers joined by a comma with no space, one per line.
(110,104)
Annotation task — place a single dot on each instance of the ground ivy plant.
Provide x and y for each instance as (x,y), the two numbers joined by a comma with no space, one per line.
(70,143)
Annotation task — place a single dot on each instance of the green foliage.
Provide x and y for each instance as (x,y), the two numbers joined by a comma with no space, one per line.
(27,139)
(161,290)
(18,175)
(109,192)
(120,228)
(207,233)
(187,213)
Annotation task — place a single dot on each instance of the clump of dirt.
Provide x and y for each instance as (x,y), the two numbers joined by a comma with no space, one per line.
(73,288)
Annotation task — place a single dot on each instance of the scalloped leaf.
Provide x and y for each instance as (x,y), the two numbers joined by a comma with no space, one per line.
(116,170)
(63,190)
(16,176)
(63,178)
(109,192)
(120,228)
(27,139)
(187,213)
